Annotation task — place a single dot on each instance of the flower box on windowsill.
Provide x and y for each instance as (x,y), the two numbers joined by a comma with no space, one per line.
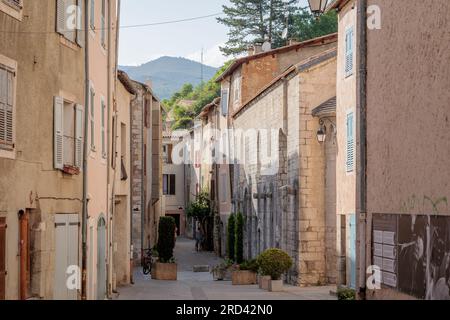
(71,170)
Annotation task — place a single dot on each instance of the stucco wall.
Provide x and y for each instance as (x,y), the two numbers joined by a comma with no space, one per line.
(408,117)
(45,68)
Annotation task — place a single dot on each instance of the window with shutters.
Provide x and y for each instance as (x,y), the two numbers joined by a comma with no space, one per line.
(103,24)
(237,90)
(69,20)
(224,101)
(103,121)
(169,181)
(349,49)
(7,108)
(92,14)
(68,136)
(350,163)
(12,8)
(92,118)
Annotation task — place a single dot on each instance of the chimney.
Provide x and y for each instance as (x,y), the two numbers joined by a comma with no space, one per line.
(254,49)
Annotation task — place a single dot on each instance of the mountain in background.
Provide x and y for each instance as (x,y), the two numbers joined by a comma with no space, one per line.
(168,74)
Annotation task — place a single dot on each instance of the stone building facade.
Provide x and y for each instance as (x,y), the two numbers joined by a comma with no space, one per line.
(145,157)
(280,170)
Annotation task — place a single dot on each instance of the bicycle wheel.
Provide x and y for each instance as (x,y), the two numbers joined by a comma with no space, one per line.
(147,267)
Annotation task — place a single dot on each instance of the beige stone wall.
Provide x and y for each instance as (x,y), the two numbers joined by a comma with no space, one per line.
(317,231)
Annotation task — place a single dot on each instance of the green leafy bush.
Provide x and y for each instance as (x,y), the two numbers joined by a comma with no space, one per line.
(250,265)
(274,262)
(346,294)
(231,237)
(239,241)
(166,239)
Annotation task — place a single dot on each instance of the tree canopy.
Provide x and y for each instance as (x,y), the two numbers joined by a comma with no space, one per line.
(256,21)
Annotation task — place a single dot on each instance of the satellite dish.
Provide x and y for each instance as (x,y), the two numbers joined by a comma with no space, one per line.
(267,46)
(284,35)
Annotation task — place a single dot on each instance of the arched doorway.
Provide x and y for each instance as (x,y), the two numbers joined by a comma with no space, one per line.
(101,259)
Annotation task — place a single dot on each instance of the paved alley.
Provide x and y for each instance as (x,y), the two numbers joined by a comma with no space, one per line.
(201,286)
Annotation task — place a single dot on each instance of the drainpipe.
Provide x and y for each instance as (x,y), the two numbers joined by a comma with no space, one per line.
(85,153)
(362,173)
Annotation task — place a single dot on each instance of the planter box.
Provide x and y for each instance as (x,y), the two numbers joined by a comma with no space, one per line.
(165,271)
(264,282)
(276,285)
(243,277)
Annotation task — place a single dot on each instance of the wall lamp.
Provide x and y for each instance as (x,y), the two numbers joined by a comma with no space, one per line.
(318,6)
(322,132)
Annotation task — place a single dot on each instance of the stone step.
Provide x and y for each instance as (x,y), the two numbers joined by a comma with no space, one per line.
(201,268)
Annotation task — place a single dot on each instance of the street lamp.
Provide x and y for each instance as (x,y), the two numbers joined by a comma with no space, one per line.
(317,6)
(322,134)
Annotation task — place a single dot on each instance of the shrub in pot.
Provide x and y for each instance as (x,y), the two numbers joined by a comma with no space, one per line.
(274,263)
(239,241)
(223,270)
(231,237)
(247,273)
(166,268)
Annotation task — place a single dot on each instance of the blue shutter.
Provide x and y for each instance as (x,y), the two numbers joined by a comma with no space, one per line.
(350,143)
(349,52)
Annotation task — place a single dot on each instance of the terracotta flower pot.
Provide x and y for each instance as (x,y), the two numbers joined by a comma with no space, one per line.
(244,277)
(276,285)
(264,282)
(165,271)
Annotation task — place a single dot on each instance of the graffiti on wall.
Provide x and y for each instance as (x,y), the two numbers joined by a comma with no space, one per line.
(413,253)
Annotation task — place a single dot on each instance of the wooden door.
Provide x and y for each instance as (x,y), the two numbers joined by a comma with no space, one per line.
(101,259)
(24,244)
(66,254)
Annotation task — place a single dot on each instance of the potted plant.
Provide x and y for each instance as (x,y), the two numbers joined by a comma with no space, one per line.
(223,270)
(166,268)
(246,275)
(274,263)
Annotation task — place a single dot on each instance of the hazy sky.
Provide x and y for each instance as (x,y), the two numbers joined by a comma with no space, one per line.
(184,39)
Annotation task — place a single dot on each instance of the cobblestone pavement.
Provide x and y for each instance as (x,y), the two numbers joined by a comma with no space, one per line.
(201,286)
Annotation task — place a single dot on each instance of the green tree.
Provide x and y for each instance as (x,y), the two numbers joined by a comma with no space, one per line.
(239,241)
(252,21)
(166,239)
(231,236)
(305,26)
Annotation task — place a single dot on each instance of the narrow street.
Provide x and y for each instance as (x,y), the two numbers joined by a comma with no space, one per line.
(201,286)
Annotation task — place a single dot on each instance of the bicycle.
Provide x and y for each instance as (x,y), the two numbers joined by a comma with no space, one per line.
(147,261)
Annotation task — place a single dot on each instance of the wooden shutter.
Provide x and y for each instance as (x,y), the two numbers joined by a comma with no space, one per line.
(103,26)
(224,102)
(350,143)
(92,14)
(61,16)
(172,184)
(79,136)
(103,130)
(58,132)
(2,258)
(114,142)
(349,52)
(92,119)
(80,24)
(169,153)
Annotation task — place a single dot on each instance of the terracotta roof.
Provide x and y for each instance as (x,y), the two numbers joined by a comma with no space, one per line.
(300,67)
(126,81)
(326,108)
(334,4)
(320,40)
(205,110)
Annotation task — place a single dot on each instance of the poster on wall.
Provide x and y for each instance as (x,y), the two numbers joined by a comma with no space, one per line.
(413,253)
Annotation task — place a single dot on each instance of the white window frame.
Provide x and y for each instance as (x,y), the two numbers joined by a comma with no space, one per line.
(92,118)
(11,65)
(224,108)
(104,143)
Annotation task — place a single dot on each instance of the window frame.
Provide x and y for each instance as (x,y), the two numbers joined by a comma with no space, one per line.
(169,185)
(350,166)
(9,150)
(92,118)
(12,9)
(349,49)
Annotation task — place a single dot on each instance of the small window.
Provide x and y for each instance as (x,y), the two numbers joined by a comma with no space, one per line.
(350,163)
(224,102)
(12,8)
(103,24)
(237,90)
(103,129)
(169,182)
(349,52)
